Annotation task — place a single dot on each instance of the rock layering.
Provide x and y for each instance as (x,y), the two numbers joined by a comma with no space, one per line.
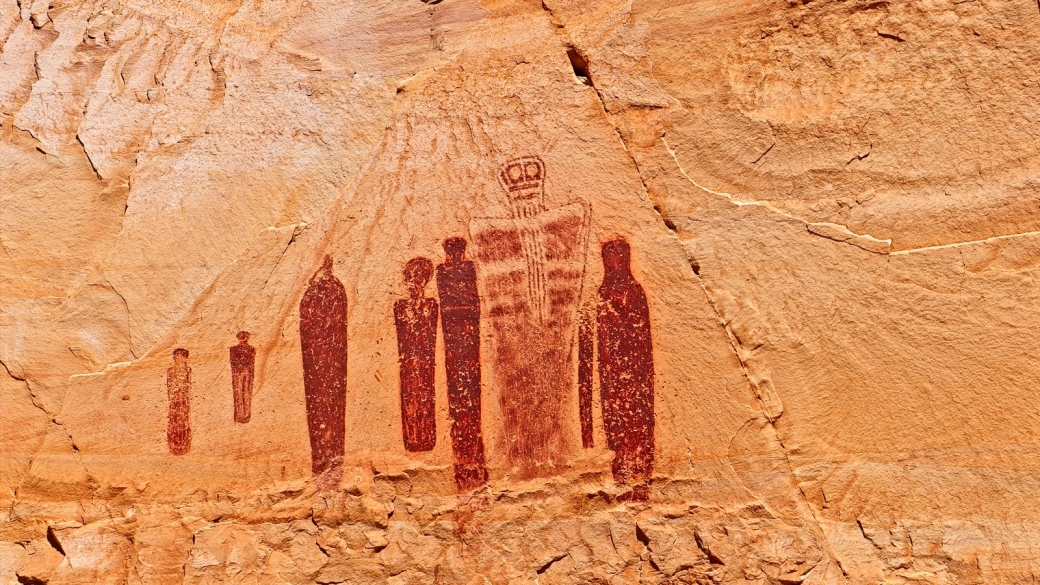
(509,291)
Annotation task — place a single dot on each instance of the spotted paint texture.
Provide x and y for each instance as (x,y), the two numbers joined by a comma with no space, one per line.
(178,390)
(586,332)
(416,321)
(323,340)
(460,325)
(531,267)
(626,370)
(243,361)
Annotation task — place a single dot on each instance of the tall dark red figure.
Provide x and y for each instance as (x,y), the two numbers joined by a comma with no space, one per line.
(243,360)
(586,333)
(626,370)
(323,339)
(416,319)
(460,325)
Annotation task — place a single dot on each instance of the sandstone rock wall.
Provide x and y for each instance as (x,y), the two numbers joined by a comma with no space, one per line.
(831,304)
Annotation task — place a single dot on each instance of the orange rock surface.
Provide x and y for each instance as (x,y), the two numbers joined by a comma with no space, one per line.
(739,292)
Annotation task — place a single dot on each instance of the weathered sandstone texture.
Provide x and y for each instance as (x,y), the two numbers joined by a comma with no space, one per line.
(519,291)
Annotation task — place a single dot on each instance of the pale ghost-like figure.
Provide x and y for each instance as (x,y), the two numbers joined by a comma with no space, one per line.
(530,270)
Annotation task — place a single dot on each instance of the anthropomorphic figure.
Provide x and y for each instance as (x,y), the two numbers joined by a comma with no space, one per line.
(178,390)
(460,326)
(416,320)
(243,361)
(586,361)
(532,266)
(323,340)
(626,370)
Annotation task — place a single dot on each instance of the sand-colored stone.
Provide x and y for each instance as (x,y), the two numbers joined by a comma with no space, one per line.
(832,209)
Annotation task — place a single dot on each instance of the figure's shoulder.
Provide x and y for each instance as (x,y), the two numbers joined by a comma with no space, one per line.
(482,228)
(566,221)
(573,209)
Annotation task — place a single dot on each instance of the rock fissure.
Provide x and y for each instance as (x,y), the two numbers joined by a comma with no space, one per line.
(735,347)
(129,329)
(964,243)
(552,561)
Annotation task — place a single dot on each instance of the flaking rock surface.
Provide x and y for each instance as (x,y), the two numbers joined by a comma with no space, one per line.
(512,291)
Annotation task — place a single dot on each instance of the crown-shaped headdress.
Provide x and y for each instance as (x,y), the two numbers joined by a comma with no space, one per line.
(522,173)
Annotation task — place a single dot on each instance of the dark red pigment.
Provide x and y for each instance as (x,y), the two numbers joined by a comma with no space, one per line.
(460,326)
(323,340)
(178,390)
(532,312)
(626,370)
(243,361)
(586,332)
(416,319)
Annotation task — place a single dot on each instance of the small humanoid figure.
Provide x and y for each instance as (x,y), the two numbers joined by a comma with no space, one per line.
(178,389)
(243,360)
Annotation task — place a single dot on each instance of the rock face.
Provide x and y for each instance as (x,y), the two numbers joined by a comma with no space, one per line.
(496,291)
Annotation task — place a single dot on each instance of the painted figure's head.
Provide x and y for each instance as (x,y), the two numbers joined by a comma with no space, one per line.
(243,337)
(180,356)
(455,249)
(325,272)
(417,274)
(616,257)
(523,179)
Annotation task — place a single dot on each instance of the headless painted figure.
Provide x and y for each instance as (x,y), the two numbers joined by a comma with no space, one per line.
(416,320)
(323,341)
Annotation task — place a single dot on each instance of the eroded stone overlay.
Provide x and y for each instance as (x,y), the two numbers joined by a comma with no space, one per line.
(832,210)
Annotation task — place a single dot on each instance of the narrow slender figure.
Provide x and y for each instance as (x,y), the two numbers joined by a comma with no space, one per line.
(586,333)
(626,370)
(178,389)
(416,320)
(323,340)
(460,325)
(243,360)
